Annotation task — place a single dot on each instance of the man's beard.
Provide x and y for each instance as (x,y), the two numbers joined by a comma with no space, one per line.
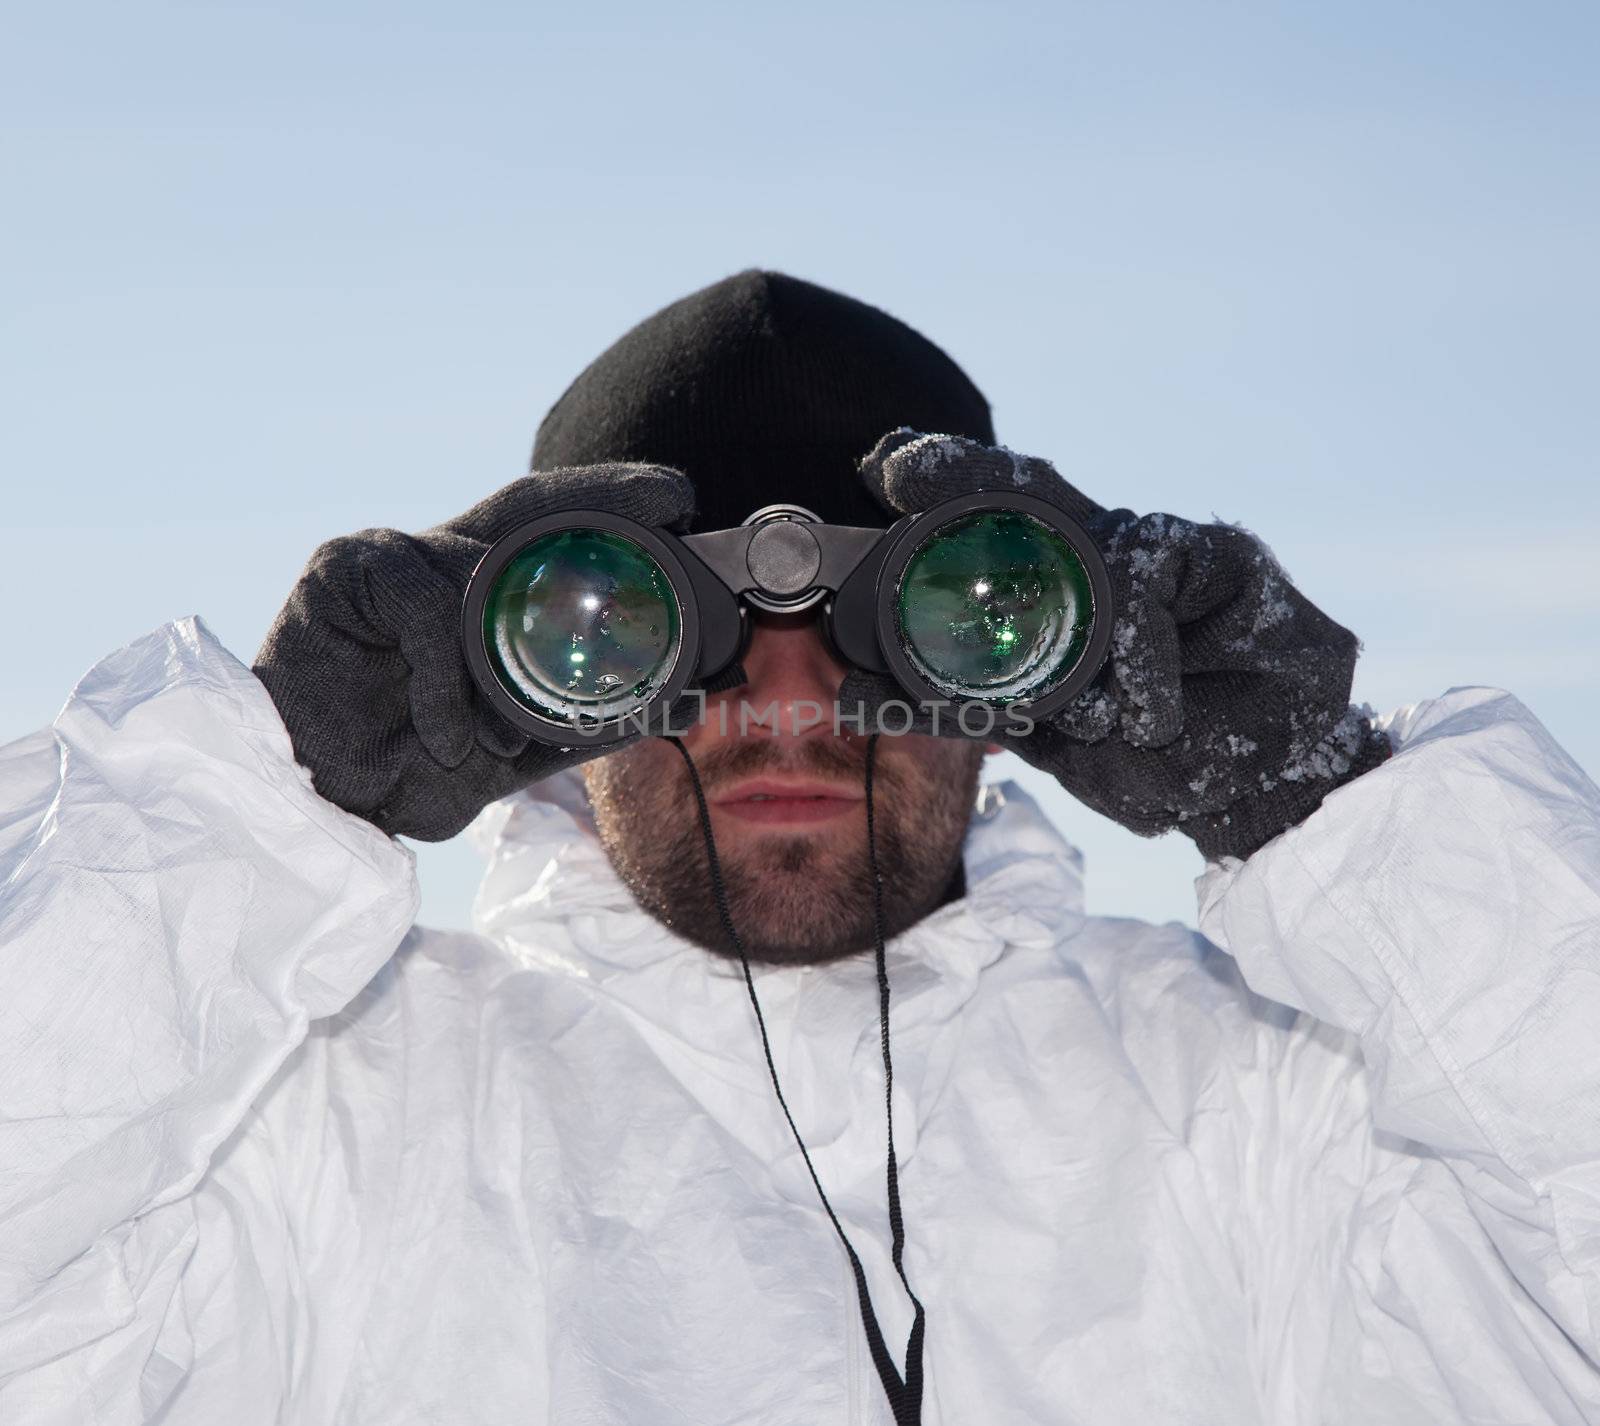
(793,899)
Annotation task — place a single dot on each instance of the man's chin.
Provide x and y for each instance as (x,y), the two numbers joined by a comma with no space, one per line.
(795,902)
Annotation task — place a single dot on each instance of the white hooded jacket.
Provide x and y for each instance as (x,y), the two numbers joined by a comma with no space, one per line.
(268,1154)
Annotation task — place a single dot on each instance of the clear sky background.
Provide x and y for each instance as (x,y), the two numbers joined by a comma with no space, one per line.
(272,273)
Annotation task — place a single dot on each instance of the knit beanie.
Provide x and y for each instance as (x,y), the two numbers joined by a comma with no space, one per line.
(762,389)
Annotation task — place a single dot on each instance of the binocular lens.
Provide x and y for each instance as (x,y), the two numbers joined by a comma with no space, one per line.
(995,606)
(582,624)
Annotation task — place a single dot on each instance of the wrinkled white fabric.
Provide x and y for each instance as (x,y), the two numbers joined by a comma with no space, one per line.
(269,1155)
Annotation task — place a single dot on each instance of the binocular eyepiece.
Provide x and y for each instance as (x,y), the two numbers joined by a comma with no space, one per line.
(585,626)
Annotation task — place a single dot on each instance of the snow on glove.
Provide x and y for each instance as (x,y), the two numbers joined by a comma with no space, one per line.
(1223,709)
(365,663)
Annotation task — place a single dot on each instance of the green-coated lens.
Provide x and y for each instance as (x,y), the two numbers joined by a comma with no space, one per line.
(994,606)
(582,625)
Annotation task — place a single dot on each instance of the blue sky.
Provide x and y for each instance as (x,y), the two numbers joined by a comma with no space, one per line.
(276,273)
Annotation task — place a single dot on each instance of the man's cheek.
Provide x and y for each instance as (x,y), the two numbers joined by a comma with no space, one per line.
(905,772)
(629,772)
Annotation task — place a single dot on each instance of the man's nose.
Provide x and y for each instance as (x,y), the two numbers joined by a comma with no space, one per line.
(791,679)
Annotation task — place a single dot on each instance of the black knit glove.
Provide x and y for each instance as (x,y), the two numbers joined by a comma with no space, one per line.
(366,667)
(1224,707)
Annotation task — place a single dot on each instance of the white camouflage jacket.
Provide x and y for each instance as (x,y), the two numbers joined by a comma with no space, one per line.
(271,1154)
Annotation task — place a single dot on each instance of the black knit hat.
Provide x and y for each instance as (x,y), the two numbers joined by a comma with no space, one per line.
(762,389)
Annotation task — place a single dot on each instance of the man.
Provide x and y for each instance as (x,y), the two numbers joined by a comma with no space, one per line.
(272,1154)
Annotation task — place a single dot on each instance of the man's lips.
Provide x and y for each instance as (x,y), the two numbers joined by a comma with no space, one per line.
(782,800)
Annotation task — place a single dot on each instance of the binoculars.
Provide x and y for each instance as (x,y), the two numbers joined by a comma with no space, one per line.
(584,626)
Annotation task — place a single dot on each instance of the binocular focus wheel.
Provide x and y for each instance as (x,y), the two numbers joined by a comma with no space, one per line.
(783,559)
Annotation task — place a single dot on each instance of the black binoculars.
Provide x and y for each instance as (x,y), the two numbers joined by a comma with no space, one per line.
(584,626)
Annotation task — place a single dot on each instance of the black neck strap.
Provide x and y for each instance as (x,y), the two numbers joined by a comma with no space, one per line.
(904,1392)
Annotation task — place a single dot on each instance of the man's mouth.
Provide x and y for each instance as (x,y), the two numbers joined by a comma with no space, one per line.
(781,801)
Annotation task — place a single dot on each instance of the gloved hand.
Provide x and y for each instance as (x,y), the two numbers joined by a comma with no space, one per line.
(1224,707)
(365,663)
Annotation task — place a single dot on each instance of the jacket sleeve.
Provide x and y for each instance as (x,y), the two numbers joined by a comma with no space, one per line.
(1444,909)
(176,904)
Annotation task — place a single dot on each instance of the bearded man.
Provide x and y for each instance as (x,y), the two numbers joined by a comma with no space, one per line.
(784,1078)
